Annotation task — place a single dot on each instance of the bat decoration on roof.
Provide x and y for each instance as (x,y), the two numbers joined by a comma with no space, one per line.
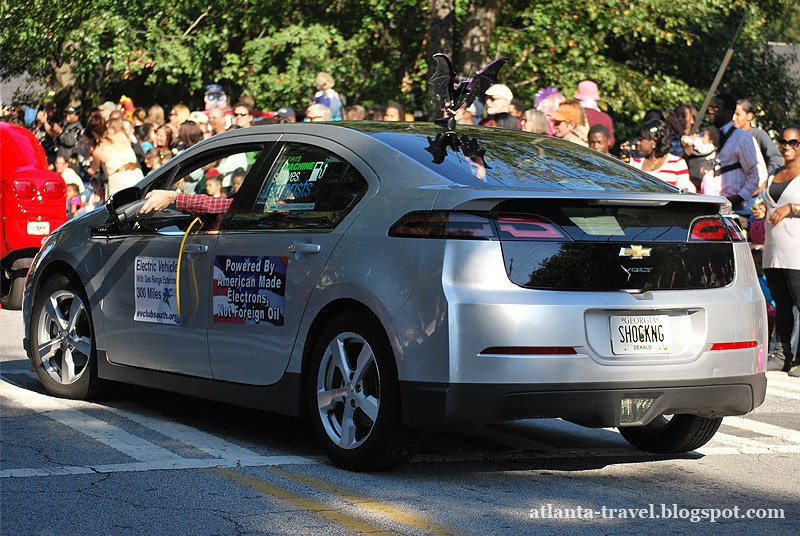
(454,94)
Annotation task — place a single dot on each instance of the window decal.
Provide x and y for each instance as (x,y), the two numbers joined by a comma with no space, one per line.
(154,284)
(249,289)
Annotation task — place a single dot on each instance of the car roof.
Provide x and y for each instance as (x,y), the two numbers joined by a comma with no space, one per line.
(513,160)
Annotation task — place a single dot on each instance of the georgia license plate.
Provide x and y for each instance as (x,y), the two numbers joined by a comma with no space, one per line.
(38,227)
(645,334)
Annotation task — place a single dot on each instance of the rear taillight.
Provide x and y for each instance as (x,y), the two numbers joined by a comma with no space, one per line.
(441,224)
(734,229)
(733,345)
(24,190)
(709,229)
(54,190)
(528,228)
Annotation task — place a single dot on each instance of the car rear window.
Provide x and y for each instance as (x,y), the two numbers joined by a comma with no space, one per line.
(520,160)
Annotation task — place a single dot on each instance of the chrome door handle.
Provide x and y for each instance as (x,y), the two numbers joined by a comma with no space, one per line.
(303,247)
(195,248)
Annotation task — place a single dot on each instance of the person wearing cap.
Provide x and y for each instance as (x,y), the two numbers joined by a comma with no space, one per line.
(70,135)
(568,124)
(215,97)
(106,108)
(588,93)
(498,103)
(284,112)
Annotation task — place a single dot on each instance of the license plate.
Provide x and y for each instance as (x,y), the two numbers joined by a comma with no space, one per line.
(38,227)
(645,334)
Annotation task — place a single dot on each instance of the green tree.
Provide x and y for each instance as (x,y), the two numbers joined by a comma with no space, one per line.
(645,54)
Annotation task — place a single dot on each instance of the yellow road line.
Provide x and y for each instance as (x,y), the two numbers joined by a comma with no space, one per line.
(306,504)
(383,509)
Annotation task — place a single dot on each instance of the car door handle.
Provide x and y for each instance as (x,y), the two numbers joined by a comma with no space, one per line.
(195,248)
(303,247)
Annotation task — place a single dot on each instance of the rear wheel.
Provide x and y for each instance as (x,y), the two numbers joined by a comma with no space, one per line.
(11,287)
(672,434)
(62,340)
(354,398)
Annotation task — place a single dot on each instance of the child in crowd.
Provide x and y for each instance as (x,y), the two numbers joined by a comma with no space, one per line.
(236,180)
(73,201)
(700,153)
(152,159)
(214,186)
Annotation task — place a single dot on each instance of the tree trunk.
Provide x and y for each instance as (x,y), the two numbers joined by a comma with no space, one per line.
(478,26)
(441,32)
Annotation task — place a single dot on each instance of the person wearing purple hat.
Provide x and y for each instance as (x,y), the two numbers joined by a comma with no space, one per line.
(588,93)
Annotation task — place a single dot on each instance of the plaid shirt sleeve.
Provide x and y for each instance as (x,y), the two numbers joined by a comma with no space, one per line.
(202,204)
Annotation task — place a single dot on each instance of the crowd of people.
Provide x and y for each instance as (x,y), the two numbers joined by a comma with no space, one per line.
(730,157)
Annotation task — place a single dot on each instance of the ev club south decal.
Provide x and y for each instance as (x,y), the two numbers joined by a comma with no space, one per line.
(249,289)
(155,279)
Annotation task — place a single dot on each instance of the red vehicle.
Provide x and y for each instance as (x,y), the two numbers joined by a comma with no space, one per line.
(33,203)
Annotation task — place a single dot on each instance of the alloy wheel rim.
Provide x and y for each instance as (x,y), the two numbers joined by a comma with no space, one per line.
(348,390)
(64,337)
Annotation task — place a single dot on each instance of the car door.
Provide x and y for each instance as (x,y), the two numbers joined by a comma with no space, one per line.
(268,258)
(158,274)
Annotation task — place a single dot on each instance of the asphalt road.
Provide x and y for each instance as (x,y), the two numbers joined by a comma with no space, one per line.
(139,461)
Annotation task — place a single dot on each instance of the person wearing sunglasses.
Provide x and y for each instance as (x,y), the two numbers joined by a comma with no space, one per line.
(568,123)
(242,115)
(781,261)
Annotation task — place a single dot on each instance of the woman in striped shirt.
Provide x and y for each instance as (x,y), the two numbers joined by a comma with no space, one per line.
(654,141)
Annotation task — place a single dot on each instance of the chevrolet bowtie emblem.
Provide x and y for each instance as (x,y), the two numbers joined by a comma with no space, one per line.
(635,252)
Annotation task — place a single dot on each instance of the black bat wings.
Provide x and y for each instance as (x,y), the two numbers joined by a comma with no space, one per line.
(454,94)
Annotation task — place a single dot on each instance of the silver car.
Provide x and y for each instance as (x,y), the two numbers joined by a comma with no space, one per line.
(384,279)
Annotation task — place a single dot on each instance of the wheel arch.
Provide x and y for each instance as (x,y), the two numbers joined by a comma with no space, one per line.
(322,318)
(58,267)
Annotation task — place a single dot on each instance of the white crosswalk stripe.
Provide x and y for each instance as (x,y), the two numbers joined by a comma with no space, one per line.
(763,428)
(210,444)
(99,430)
(148,456)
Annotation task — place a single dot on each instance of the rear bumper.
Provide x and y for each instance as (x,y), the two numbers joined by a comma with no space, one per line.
(441,406)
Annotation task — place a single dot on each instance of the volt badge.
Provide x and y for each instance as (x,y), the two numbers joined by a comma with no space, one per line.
(635,252)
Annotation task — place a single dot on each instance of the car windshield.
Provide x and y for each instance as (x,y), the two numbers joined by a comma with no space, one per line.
(519,160)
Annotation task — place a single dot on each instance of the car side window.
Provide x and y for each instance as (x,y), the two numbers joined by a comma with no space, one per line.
(219,174)
(307,187)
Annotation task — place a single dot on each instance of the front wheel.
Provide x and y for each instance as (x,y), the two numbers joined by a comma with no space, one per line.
(62,340)
(672,435)
(354,398)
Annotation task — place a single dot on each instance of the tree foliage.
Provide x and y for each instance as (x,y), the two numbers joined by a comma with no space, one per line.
(643,54)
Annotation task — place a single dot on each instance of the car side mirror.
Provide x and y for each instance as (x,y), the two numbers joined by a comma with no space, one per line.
(122,208)
(121,198)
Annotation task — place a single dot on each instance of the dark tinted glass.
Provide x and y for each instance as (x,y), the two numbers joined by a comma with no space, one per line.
(520,160)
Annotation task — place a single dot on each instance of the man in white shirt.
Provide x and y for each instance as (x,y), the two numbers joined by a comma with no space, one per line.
(740,163)
(68,174)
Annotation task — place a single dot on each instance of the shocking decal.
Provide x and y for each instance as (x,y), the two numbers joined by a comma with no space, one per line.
(249,290)
(154,283)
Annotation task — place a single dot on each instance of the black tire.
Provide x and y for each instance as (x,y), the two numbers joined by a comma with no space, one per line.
(11,288)
(357,419)
(681,433)
(62,340)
